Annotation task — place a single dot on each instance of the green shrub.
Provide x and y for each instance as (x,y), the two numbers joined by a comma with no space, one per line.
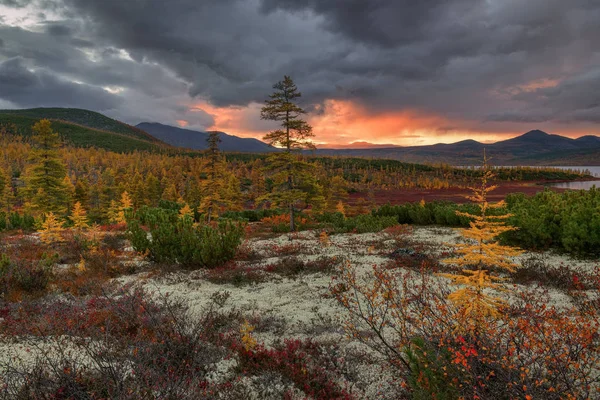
(366,223)
(431,372)
(180,240)
(569,221)
(16,221)
(436,212)
(251,215)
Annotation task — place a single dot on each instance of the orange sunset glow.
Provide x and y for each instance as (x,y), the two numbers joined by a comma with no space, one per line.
(339,123)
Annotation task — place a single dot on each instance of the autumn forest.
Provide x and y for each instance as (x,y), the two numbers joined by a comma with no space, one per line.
(132,269)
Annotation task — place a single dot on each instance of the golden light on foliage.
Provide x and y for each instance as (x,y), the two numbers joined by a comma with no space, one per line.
(340,208)
(479,254)
(248,340)
(79,217)
(116,212)
(186,212)
(221,188)
(324,239)
(51,229)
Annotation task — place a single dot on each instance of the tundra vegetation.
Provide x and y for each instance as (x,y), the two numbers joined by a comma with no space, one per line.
(175,275)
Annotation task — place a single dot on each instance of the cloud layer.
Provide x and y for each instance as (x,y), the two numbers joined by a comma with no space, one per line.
(437,69)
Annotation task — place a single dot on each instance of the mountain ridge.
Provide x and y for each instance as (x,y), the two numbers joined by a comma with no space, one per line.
(196,140)
(534,147)
(87,128)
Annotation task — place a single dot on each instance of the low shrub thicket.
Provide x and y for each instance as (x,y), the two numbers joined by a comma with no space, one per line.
(362,223)
(15,220)
(171,238)
(569,221)
(252,215)
(433,213)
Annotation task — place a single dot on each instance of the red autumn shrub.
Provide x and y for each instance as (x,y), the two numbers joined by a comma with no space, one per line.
(301,362)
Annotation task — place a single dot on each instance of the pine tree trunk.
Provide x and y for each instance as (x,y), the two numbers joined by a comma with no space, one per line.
(292,224)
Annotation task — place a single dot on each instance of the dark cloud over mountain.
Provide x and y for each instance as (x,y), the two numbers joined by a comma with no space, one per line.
(466,60)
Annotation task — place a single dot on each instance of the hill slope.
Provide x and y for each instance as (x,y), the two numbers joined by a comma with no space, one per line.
(90,119)
(196,140)
(82,128)
(532,148)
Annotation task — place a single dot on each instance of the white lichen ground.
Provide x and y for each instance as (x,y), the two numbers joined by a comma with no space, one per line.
(301,307)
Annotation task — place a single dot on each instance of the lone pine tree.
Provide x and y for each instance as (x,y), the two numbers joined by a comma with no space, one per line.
(45,189)
(292,176)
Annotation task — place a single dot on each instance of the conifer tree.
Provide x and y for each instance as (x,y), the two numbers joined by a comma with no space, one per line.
(336,192)
(45,188)
(82,188)
(292,176)
(116,211)
(6,194)
(186,212)
(153,191)
(171,193)
(70,188)
(481,253)
(51,229)
(107,188)
(79,217)
(340,208)
(212,186)
(220,188)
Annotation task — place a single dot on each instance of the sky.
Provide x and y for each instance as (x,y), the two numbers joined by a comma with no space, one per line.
(400,72)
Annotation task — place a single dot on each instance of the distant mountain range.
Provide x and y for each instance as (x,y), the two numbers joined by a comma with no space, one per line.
(196,140)
(86,128)
(532,148)
(356,145)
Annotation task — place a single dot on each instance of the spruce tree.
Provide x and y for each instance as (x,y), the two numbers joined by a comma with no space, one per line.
(292,176)
(45,188)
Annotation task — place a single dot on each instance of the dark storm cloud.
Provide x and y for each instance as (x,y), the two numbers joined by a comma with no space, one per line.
(458,58)
(58,30)
(385,23)
(23,87)
(15,3)
(576,99)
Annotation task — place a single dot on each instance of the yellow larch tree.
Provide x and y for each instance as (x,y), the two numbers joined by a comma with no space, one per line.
(186,212)
(340,208)
(51,229)
(79,217)
(479,254)
(221,188)
(116,210)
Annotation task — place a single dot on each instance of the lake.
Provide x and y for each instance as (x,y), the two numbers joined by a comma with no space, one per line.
(583,185)
(594,171)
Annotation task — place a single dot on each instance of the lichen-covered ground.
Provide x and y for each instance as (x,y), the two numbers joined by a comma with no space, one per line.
(298,304)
